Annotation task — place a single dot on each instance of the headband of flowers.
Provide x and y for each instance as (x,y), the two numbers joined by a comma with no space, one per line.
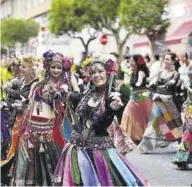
(110,66)
(49,56)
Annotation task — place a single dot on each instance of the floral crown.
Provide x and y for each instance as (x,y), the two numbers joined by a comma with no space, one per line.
(49,57)
(110,66)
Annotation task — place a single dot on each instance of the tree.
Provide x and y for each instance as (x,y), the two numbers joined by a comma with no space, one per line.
(109,22)
(109,17)
(18,30)
(72,17)
(146,17)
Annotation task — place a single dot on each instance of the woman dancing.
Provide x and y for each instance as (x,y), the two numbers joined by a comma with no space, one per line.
(40,133)
(165,124)
(137,112)
(184,154)
(90,158)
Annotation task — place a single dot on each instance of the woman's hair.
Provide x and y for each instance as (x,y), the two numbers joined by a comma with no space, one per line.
(175,59)
(141,65)
(79,68)
(148,58)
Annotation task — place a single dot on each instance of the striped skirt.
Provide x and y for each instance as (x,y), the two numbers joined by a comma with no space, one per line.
(165,126)
(184,153)
(94,161)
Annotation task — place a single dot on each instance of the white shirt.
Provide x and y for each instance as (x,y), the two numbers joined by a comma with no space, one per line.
(154,72)
(184,71)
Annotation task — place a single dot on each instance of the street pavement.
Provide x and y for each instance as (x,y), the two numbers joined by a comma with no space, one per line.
(158,169)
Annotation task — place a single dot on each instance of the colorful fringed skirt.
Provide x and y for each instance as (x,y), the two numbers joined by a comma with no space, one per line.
(36,155)
(136,114)
(164,127)
(184,154)
(93,161)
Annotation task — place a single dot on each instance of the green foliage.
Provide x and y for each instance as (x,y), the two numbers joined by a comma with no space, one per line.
(144,16)
(69,16)
(110,17)
(18,30)
(74,15)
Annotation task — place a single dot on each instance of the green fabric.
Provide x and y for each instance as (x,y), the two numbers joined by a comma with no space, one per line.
(117,179)
(155,125)
(5,77)
(140,96)
(75,168)
(126,70)
(125,93)
(181,156)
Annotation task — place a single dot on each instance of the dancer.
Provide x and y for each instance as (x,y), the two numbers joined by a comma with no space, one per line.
(90,159)
(184,154)
(165,124)
(137,112)
(40,134)
(17,99)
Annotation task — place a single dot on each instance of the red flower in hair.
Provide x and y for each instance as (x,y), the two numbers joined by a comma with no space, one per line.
(140,60)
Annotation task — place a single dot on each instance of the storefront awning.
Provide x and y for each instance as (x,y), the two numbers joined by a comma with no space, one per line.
(181,33)
(141,41)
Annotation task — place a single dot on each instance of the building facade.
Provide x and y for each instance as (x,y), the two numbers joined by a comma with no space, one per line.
(179,35)
(177,39)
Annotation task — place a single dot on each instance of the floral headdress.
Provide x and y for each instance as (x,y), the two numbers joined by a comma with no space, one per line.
(110,65)
(49,57)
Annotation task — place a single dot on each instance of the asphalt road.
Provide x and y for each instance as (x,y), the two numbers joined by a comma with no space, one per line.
(159,170)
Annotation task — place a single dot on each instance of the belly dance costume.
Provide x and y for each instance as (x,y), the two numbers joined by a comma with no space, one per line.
(41,140)
(90,158)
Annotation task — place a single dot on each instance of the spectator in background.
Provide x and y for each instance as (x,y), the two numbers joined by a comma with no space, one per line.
(147,60)
(154,69)
(183,71)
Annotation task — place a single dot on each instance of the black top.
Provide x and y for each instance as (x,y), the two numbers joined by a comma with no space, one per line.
(167,86)
(90,119)
(134,79)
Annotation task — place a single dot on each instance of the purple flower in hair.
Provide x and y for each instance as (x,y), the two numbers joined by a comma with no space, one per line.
(48,54)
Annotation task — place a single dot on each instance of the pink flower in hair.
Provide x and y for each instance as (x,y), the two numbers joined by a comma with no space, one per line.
(87,79)
(68,62)
(111,67)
